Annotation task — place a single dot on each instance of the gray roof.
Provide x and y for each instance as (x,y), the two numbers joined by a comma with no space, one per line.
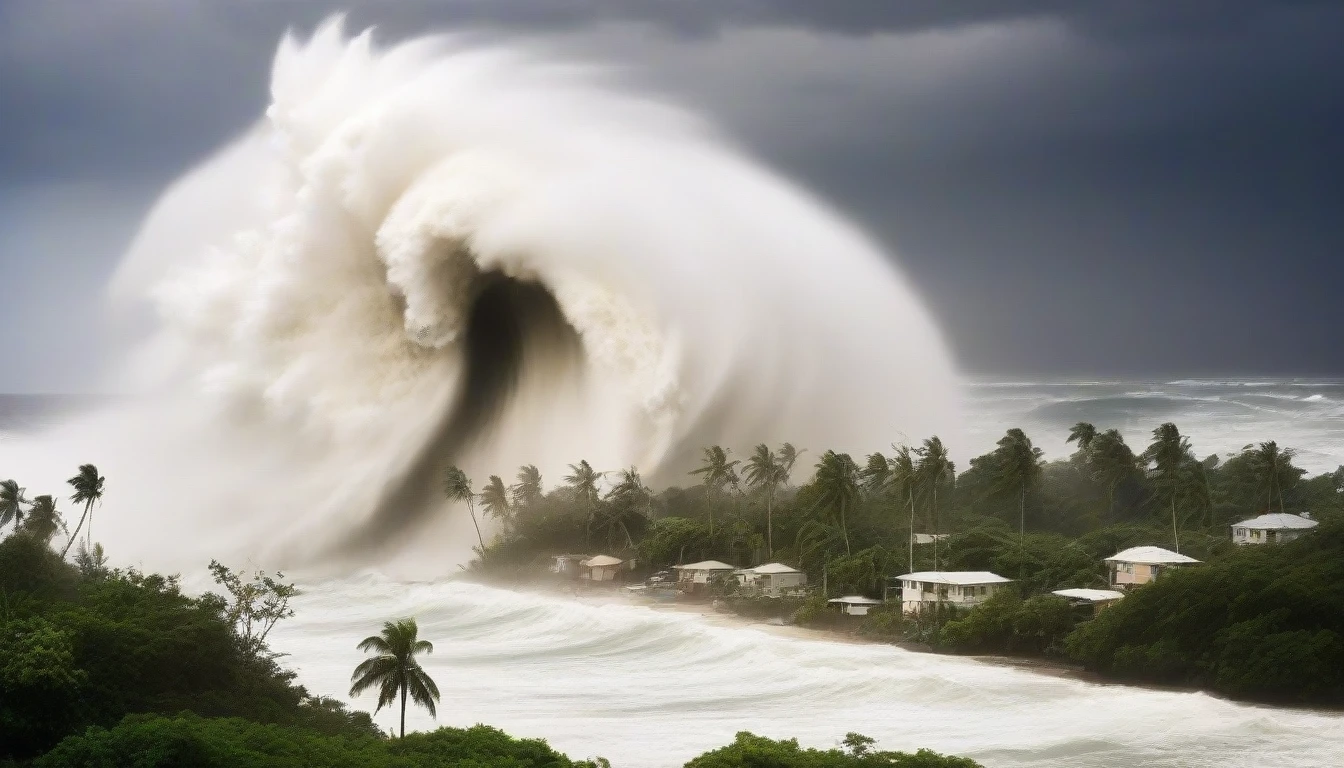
(1277,522)
(955,577)
(1150,556)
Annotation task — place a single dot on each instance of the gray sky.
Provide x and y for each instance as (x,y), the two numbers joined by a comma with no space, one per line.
(1077,188)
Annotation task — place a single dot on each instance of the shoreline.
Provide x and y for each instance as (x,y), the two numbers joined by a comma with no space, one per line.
(705,611)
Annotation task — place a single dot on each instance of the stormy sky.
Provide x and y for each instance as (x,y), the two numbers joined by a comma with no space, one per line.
(1078,189)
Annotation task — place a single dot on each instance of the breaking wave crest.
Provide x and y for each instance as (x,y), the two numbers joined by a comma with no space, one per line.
(443,252)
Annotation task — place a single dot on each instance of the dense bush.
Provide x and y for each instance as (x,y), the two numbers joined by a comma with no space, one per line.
(148,741)
(1265,622)
(752,750)
(1005,623)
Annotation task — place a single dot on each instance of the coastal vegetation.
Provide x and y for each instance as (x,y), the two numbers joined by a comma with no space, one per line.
(103,667)
(852,525)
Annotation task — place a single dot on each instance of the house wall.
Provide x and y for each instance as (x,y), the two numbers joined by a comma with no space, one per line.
(916,595)
(1134,574)
(1263,536)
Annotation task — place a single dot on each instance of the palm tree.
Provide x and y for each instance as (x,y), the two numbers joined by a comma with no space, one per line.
(88,485)
(876,474)
(1168,454)
(43,519)
(527,490)
(394,670)
(457,487)
(1083,434)
(716,472)
(934,469)
(837,483)
(788,456)
(765,473)
(629,500)
(1273,470)
(1112,463)
(582,480)
(11,503)
(495,500)
(1019,468)
(904,479)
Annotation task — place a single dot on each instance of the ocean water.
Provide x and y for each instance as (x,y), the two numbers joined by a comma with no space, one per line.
(647,687)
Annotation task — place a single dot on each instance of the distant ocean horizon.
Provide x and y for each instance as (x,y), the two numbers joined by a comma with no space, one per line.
(1220,415)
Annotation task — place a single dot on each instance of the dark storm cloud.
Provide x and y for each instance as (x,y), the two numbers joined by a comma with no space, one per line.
(1089,187)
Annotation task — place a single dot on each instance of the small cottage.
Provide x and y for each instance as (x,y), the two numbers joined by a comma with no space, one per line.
(568,565)
(961,588)
(1095,598)
(1271,529)
(772,579)
(696,577)
(602,568)
(1140,565)
(854,605)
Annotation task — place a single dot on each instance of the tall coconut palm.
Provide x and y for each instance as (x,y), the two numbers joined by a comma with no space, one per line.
(716,472)
(876,474)
(788,456)
(1112,463)
(1167,456)
(88,485)
(1083,434)
(527,491)
(837,484)
(934,469)
(582,480)
(1274,471)
(1019,469)
(43,519)
(629,501)
(395,671)
(904,480)
(765,473)
(495,500)
(11,503)
(457,487)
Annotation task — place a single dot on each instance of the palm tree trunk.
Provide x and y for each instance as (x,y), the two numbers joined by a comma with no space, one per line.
(87,506)
(933,523)
(910,494)
(770,524)
(709,504)
(403,710)
(844,530)
(1174,533)
(1022,515)
(471,508)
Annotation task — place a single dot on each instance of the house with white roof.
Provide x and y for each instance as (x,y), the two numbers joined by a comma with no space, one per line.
(960,588)
(601,568)
(1271,529)
(1096,598)
(1140,565)
(696,577)
(854,605)
(772,579)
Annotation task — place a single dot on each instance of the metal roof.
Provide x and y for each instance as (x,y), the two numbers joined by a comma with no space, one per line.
(602,560)
(1150,556)
(855,600)
(773,568)
(707,565)
(1277,521)
(1091,595)
(955,577)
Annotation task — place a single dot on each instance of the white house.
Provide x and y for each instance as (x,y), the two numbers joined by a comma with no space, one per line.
(1140,565)
(601,568)
(696,576)
(928,538)
(961,588)
(1097,598)
(772,579)
(568,565)
(1271,529)
(854,605)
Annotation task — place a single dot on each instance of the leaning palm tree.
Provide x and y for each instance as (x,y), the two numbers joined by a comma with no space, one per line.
(1083,434)
(765,473)
(11,503)
(1168,454)
(43,518)
(628,501)
(582,481)
(934,470)
(457,487)
(788,456)
(876,474)
(394,670)
(1019,469)
(527,490)
(1112,463)
(904,480)
(88,485)
(495,500)
(837,484)
(1273,470)
(716,472)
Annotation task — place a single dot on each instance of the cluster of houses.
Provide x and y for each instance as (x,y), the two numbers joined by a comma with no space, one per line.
(1127,569)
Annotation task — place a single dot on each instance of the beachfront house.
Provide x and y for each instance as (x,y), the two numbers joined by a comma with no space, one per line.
(854,605)
(1095,598)
(928,538)
(772,579)
(696,577)
(568,565)
(1140,565)
(1271,529)
(601,568)
(960,588)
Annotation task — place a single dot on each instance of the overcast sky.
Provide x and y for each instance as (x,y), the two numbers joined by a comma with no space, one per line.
(1079,189)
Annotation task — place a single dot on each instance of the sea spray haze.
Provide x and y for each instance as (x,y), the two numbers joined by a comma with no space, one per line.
(449,251)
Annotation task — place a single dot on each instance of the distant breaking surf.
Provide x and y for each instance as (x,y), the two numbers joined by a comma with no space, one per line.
(447,252)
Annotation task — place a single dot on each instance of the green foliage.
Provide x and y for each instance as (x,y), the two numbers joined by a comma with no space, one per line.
(813,611)
(1005,623)
(39,682)
(188,740)
(751,750)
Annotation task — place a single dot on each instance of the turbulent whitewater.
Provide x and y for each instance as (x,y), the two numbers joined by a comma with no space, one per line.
(447,251)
